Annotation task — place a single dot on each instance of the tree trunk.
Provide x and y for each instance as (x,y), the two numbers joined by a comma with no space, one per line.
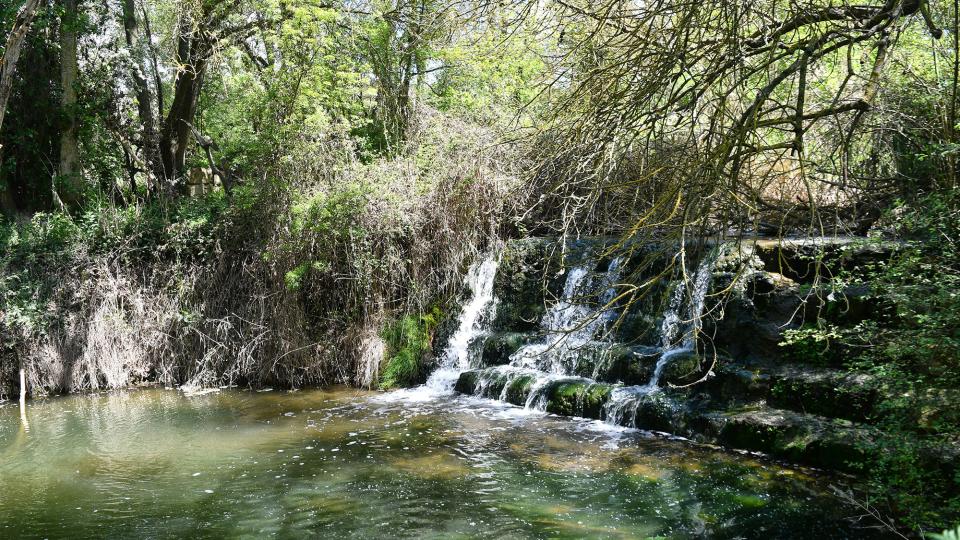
(8,65)
(191,56)
(175,137)
(70,182)
(11,52)
(149,143)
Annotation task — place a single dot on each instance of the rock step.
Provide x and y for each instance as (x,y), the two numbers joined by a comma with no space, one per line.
(600,361)
(800,437)
(801,388)
(567,396)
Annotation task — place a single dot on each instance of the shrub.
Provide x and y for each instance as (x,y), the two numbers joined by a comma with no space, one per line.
(409,341)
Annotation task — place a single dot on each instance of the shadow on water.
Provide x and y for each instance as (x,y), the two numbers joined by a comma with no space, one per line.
(158,463)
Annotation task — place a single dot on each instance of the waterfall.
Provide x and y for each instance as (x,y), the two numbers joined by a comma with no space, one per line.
(474,322)
(570,324)
(673,323)
(679,320)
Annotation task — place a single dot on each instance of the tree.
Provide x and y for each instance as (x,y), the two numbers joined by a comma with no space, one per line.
(725,114)
(8,66)
(399,48)
(202,29)
(11,51)
(201,32)
(138,43)
(70,186)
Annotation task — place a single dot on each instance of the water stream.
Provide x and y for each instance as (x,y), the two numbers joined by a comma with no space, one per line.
(678,337)
(573,328)
(473,323)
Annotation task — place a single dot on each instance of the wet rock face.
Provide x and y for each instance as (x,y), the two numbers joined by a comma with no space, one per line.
(751,322)
(525,278)
(748,392)
(578,398)
(805,261)
(498,347)
(780,286)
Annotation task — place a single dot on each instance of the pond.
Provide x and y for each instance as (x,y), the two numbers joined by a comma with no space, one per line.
(339,462)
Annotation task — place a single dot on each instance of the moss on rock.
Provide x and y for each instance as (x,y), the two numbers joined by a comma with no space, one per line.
(578,398)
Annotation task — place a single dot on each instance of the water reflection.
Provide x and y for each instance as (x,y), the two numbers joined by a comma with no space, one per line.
(340,462)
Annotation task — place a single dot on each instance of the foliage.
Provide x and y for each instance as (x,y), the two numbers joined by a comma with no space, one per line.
(910,346)
(811,342)
(409,341)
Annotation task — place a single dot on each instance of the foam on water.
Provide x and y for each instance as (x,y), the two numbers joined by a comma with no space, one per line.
(473,326)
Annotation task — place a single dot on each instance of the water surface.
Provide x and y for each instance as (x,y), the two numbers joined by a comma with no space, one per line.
(159,464)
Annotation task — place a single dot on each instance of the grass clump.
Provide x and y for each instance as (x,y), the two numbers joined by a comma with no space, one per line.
(409,342)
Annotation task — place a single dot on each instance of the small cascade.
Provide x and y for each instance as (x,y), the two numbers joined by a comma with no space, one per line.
(680,320)
(673,324)
(571,324)
(550,372)
(474,322)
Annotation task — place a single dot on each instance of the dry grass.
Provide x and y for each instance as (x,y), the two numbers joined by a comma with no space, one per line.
(406,230)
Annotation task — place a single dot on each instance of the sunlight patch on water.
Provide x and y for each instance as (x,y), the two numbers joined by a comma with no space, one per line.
(356,464)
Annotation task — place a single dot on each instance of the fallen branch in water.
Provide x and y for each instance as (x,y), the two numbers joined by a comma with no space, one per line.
(884,523)
(23,400)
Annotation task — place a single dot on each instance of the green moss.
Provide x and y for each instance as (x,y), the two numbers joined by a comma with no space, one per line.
(681,367)
(578,399)
(408,341)
(467,383)
(519,389)
(498,347)
(750,501)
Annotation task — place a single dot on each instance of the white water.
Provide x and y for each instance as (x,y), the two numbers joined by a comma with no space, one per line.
(623,402)
(474,324)
(673,323)
(570,324)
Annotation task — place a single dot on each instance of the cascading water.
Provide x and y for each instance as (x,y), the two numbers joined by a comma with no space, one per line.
(623,402)
(474,322)
(571,325)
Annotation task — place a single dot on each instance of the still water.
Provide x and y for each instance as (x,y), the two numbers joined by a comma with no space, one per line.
(343,463)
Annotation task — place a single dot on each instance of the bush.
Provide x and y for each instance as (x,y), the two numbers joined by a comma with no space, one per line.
(409,341)
(913,352)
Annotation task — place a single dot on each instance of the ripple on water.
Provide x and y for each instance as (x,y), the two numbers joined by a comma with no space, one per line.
(356,464)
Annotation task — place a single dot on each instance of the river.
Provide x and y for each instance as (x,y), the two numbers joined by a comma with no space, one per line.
(346,463)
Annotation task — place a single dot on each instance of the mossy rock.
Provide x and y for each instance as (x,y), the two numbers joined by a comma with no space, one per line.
(799,259)
(578,398)
(495,382)
(732,383)
(681,368)
(526,275)
(808,439)
(604,362)
(499,347)
(492,383)
(659,411)
(518,389)
(467,383)
(826,393)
